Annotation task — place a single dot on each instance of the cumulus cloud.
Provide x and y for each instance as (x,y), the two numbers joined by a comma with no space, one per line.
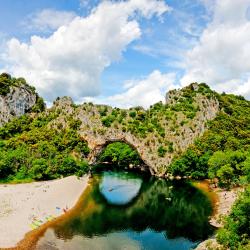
(221,58)
(141,92)
(71,60)
(48,20)
(244,89)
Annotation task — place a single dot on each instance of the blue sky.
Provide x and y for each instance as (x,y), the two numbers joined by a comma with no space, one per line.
(126,53)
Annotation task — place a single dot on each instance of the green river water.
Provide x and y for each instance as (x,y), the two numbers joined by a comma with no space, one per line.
(123,210)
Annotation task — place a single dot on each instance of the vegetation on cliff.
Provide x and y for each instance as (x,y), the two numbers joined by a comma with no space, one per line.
(236,232)
(223,151)
(140,122)
(160,131)
(51,143)
(7,82)
(29,150)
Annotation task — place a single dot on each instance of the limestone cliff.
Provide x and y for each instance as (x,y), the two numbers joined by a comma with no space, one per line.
(158,134)
(16,98)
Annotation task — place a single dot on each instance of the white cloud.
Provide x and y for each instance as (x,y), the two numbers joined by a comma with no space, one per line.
(143,92)
(222,56)
(244,89)
(48,20)
(71,60)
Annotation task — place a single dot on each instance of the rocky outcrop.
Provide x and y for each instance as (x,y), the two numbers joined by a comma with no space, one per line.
(17,102)
(178,131)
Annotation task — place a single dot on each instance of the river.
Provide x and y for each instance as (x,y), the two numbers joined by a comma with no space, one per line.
(124,210)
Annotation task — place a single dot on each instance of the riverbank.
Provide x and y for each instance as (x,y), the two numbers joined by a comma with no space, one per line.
(223,206)
(226,199)
(25,207)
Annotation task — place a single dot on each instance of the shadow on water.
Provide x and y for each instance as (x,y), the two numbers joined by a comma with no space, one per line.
(121,209)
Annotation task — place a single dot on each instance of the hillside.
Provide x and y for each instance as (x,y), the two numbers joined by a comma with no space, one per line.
(178,137)
(197,133)
(158,134)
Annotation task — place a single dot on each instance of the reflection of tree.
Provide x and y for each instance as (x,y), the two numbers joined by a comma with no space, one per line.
(179,210)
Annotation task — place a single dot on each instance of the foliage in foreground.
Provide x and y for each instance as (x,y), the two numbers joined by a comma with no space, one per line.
(236,231)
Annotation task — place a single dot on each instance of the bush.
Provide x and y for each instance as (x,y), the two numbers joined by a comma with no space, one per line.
(191,164)
(108,120)
(39,106)
(5,83)
(38,169)
(132,114)
(161,151)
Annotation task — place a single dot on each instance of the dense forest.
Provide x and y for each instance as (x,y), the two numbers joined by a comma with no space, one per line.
(223,151)
(32,149)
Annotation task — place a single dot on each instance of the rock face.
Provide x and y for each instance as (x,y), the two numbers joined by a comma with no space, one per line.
(179,131)
(17,102)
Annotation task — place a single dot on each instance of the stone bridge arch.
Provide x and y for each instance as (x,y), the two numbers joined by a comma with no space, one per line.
(97,145)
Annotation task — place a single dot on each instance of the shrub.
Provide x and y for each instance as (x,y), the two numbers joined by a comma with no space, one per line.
(108,120)
(161,151)
(132,114)
(38,169)
(39,106)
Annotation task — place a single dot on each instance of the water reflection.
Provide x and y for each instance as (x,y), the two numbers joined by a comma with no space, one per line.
(119,189)
(124,211)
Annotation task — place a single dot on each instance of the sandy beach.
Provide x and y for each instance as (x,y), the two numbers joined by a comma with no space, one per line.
(226,199)
(24,207)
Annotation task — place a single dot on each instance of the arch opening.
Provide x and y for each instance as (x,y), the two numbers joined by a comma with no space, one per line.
(117,154)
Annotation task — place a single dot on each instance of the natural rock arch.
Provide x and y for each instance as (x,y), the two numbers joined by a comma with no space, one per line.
(179,129)
(98,149)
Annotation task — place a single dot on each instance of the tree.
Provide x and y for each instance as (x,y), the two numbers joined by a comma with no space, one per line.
(120,154)
(225,174)
(38,169)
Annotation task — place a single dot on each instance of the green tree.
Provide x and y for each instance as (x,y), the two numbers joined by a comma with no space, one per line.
(38,169)
(121,154)
(225,174)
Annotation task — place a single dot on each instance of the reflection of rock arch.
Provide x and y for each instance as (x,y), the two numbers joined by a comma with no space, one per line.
(148,210)
(119,191)
(98,148)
